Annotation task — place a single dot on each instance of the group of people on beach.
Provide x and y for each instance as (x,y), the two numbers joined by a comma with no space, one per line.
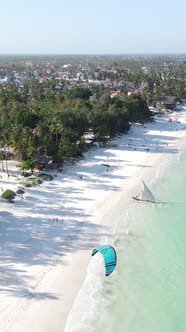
(57,220)
(131,145)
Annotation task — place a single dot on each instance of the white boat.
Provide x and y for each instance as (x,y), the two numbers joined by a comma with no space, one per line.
(145,194)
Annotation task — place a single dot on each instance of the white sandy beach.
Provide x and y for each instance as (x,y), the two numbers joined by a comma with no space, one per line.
(43,262)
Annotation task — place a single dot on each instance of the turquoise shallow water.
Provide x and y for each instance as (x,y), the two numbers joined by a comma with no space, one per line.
(147,293)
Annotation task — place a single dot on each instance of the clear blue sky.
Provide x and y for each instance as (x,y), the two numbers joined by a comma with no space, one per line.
(92,27)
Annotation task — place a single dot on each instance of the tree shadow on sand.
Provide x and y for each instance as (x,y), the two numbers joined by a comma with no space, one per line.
(30,242)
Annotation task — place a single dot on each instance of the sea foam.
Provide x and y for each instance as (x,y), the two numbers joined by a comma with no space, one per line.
(85,308)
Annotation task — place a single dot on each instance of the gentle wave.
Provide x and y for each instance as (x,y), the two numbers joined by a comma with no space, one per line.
(84,308)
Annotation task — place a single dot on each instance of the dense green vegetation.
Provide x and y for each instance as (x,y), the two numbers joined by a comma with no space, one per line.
(27,165)
(36,121)
(48,104)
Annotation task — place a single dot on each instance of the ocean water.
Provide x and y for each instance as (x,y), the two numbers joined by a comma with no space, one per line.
(147,291)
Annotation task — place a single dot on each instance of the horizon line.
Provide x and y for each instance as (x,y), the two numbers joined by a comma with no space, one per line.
(85,54)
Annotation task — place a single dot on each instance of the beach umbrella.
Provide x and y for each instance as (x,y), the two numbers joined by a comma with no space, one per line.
(20,192)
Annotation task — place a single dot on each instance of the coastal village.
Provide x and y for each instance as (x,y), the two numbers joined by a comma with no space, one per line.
(117,75)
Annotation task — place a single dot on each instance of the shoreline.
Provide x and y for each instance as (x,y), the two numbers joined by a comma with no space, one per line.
(47,289)
(150,174)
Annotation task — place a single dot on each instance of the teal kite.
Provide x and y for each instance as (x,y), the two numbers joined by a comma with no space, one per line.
(109,256)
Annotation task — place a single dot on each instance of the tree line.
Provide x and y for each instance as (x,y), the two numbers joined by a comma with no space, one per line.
(37,121)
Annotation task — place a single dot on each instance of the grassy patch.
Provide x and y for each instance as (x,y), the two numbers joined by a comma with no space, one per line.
(45,176)
(8,194)
(32,180)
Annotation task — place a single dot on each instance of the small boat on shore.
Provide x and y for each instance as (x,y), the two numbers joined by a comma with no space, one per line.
(145,195)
